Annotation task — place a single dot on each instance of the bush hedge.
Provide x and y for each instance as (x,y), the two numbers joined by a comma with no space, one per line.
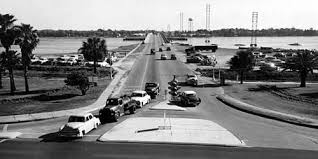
(259,75)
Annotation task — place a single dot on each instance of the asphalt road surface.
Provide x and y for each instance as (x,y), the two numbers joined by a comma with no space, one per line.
(255,131)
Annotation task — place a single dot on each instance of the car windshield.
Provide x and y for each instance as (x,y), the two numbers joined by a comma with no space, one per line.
(151,85)
(112,101)
(136,94)
(76,119)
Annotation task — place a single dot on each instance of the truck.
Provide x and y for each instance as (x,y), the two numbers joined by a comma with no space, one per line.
(116,107)
(152,89)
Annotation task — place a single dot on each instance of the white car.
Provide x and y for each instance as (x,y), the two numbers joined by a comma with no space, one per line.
(192,80)
(79,125)
(141,98)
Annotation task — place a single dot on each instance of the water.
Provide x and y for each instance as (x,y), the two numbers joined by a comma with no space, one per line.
(62,45)
(275,42)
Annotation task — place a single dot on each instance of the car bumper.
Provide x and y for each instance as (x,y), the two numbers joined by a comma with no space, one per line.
(69,134)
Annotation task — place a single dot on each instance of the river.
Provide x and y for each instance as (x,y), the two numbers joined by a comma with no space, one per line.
(62,45)
(275,42)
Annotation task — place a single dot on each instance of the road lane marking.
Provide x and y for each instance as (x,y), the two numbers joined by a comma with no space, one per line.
(144,74)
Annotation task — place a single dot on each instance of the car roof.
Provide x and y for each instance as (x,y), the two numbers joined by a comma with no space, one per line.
(189,92)
(81,115)
(139,91)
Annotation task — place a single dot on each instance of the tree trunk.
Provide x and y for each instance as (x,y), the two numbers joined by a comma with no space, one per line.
(1,78)
(83,92)
(303,76)
(95,61)
(12,85)
(242,76)
(26,84)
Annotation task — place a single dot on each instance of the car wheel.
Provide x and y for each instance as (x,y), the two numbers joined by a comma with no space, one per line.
(83,133)
(132,110)
(116,116)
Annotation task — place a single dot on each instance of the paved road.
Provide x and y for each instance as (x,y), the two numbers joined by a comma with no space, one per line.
(85,150)
(253,130)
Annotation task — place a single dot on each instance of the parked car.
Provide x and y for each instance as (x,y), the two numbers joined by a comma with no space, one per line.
(152,51)
(194,59)
(173,57)
(141,98)
(192,80)
(189,98)
(164,57)
(116,107)
(152,89)
(79,125)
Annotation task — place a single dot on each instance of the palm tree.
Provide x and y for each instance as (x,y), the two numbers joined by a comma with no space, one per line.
(8,35)
(94,49)
(241,62)
(28,40)
(304,62)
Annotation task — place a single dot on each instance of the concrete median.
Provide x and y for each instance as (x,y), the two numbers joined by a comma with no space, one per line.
(293,119)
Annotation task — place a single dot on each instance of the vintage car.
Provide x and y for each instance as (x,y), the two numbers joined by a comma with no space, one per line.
(173,57)
(141,98)
(152,51)
(189,98)
(164,57)
(192,80)
(79,125)
(194,59)
(116,107)
(152,89)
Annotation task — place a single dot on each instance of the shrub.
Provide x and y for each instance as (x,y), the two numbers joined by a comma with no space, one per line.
(78,80)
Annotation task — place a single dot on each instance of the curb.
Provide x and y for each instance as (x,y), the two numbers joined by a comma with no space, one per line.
(289,118)
(61,113)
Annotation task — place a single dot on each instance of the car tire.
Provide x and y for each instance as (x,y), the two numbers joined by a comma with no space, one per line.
(116,116)
(83,133)
(132,110)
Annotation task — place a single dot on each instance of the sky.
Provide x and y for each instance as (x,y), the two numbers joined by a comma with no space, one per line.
(158,14)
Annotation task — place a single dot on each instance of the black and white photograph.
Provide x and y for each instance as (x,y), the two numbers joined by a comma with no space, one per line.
(158,79)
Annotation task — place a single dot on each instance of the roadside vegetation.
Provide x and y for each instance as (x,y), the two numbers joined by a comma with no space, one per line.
(32,84)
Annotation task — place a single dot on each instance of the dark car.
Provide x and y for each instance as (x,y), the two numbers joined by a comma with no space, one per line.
(194,59)
(152,89)
(152,51)
(160,49)
(163,57)
(116,107)
(189,98)
(168,49)
(173,57)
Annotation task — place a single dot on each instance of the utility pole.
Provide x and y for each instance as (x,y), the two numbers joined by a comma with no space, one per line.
(207,22)
(254,29)
(181,21)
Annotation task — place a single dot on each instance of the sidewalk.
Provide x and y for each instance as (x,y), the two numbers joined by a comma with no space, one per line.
(99,103)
